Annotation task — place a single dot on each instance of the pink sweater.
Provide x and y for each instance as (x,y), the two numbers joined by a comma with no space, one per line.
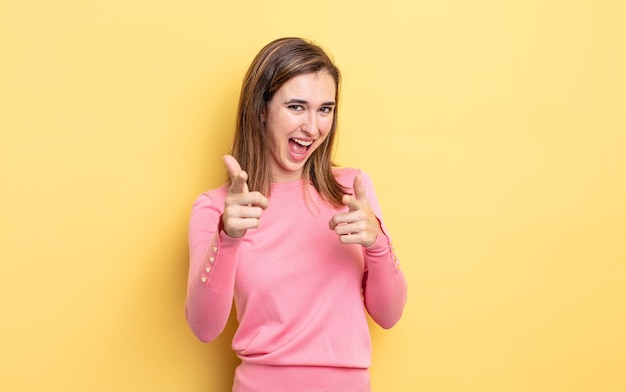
(299,292)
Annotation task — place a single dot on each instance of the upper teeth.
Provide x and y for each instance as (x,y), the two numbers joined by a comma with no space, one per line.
(303,142)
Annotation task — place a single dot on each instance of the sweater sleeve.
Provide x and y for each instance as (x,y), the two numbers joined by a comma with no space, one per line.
(213,261)
(384,283)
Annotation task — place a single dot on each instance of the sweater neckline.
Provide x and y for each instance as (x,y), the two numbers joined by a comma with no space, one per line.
(279,186)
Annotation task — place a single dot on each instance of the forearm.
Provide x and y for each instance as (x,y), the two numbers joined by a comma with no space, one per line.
(212,265)
(210,287)
(385,286)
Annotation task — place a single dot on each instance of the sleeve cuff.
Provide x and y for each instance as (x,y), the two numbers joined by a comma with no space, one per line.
(380,247)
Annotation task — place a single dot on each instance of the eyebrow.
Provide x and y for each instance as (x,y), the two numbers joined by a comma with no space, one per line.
(304,102)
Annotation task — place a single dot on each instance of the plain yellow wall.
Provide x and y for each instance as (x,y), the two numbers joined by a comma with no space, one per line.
(495,132)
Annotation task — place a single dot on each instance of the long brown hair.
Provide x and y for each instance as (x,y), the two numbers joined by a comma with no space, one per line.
(273,66)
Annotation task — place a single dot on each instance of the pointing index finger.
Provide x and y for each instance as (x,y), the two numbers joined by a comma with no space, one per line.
(232,165)
(359,189)
(238,177)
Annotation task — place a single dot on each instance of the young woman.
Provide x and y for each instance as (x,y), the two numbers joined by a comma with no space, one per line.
(297,243)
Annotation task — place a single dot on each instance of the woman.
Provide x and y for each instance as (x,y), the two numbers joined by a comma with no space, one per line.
(297,243)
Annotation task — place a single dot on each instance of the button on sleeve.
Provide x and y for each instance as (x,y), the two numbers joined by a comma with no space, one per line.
(208,263)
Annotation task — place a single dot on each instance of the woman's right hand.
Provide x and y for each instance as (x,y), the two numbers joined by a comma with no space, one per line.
(242,208)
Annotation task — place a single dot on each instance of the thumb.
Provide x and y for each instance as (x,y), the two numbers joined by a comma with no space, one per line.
(356,202)
(359,189)
(238,177)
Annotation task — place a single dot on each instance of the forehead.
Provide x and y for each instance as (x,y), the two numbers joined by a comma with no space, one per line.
(318,85)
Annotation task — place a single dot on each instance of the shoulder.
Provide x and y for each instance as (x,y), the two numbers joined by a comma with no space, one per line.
(212,199)
(345,176)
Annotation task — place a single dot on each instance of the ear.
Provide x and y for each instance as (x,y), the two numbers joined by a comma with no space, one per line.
(263,116)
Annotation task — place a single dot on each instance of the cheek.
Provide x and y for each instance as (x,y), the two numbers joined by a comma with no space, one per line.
(276,128)
(283,124)
(325,125)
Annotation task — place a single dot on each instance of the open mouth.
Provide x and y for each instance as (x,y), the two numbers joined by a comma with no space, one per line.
(299,146)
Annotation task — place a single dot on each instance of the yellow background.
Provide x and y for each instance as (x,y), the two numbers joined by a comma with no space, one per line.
(495,132)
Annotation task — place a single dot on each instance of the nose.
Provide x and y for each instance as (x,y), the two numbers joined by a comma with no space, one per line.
(309,125)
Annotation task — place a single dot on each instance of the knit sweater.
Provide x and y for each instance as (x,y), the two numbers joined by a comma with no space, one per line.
(301,295)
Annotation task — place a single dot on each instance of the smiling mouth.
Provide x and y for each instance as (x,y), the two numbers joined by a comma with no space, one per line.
(299,146)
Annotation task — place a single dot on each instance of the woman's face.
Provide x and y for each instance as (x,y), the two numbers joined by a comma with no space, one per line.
(298,119)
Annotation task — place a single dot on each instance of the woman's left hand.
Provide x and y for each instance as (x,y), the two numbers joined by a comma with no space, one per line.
(359,225)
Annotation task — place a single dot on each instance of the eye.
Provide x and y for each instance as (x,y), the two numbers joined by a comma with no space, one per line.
(296,108)
(326,109)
